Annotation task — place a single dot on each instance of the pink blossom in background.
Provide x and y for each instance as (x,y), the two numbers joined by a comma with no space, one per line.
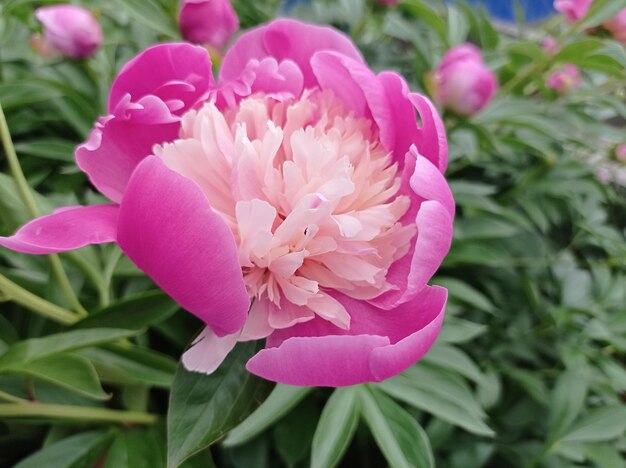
(574,10)
(298,200)
(70,30)
(565,80)
(620,153)
(550,46)
(617,26)
(388,2)
(462,81)
(210,22)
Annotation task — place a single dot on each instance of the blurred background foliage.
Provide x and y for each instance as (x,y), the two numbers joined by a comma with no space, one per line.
(530,368)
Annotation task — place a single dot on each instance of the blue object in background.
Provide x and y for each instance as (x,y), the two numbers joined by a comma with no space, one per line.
(505,9)
(289,4)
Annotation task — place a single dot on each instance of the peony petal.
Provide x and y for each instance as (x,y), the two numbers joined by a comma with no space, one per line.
(285,39)
(169,231)
(430,138)
(411,273)
(178,71)
(66,229)
(208,351)
(119,142)
(378,345)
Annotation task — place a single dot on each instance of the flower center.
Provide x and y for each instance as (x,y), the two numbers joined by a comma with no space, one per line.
(309,194)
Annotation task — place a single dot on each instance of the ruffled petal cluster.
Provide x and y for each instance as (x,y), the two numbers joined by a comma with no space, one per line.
(300,199)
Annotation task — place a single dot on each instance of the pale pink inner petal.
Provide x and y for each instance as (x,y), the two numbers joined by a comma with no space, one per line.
(311,198)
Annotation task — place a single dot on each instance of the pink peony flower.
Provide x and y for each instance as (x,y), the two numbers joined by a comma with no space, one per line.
(462,82)
(574,10)
(297,200)
(565,80)
(211,22)
(71,30)
(617,26)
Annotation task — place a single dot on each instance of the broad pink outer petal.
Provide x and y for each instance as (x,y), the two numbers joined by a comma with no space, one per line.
(178,72)
(167,228)
(285,39)
(378,345)
(66,229)
(119,142)
(430,137)
(432,209)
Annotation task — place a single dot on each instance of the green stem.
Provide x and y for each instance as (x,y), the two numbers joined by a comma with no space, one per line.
(74,413)
(31,205)
(109,269)
(35,303)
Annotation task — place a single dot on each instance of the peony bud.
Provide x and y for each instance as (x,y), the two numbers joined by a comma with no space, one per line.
(617,26)
(574,10)
(210,22)
(69,30)
(463,83)
(565,80)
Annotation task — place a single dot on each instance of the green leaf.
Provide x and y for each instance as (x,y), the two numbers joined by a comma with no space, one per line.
(151,15)
(440,394)
(65,370)
(133,313)
(137,448)
(335,428)
(398,435)
(291,437)
(81,449)
(132,365)
(598,425)
(203,408)
(282,399)
(36,348)
(567,401)
(455,360)
(600,11)
(55,149)
(421,10)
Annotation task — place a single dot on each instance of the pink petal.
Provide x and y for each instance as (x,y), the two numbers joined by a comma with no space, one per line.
(66,229)
(208,351)
(168,229)
(432,209)
(430,137)
(177,71)
(120,141)
(379,344)
(285,39)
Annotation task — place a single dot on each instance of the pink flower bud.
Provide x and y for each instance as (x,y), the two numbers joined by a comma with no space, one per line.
(617,26)
(70,30)
(565,80)
(463,83)
(620,153)
(210,22)
(574,10)
(550,46)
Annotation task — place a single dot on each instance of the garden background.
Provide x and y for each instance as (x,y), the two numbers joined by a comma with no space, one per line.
(530,367)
